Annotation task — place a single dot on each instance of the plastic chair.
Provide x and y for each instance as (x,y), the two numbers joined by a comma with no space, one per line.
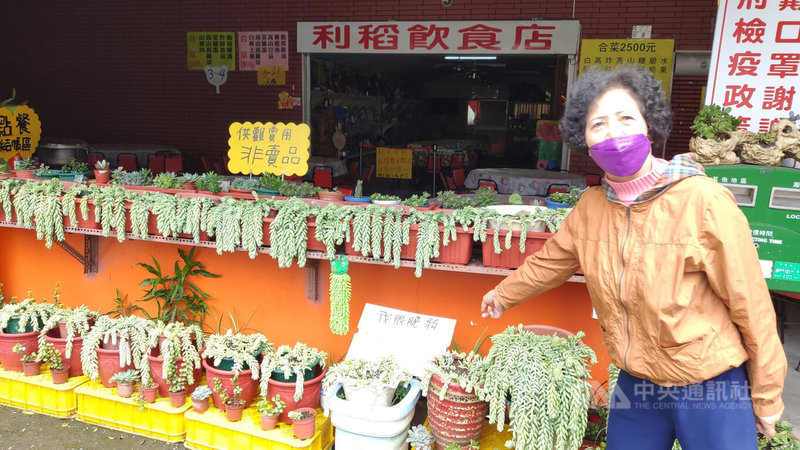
(156,164)
(485,182)
(366,175)
(472,160)
(323,177)
(459,179)
(174,164)
(93,158)
(127,161)
(557,187)
(429,166)
(457,161)
(592,179)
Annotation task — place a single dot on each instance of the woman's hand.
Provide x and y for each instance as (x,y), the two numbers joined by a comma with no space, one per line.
(491,306)
(766,425)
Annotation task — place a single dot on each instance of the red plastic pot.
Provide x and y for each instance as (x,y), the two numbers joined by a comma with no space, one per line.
(246,382)
(304,428)
(108,365)
(310,398)
(511,258)
(177,399)
(31,369)
(156,370)
(200,406)
(458,418)
(102,177)
(124,390)
(60,376)
(10,360)
(149,394)
(234,413)
(74,360)
(268,422)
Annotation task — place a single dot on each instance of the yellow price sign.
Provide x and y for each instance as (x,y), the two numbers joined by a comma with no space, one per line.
(20,130)
(654,55)
(393,162)
(277,148)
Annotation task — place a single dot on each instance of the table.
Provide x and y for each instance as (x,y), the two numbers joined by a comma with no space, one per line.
(523,181)
(142,151)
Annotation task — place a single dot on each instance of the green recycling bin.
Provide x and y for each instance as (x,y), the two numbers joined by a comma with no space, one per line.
(770,199)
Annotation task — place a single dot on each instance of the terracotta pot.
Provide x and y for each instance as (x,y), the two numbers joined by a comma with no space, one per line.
(200,406)
(10,360)
(304,428)
(268,422)
(60,376)
(331,196)
(246,382)
(24,173)
(456,419)
(310,398)
(177,399)
(74,360)
(31,369)
(109,345)
(108,365)
(102,177)
(234,413)
(124,390)
(156,371)
(149,394)
(188,186)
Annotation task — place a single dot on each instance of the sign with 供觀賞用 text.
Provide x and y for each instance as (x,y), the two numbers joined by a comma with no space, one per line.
(217,48)
(654,55)
(755,61)
(277,148)
(20,130)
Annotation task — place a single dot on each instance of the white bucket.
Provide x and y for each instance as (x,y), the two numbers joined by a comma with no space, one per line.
(791,162)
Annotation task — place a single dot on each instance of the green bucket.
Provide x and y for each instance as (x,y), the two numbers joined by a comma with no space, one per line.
(308,374)
(227,363)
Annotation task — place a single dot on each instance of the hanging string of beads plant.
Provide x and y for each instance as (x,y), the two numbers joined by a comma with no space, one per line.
(340,296)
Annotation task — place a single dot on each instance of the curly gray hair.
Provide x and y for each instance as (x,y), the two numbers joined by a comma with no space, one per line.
(593,83)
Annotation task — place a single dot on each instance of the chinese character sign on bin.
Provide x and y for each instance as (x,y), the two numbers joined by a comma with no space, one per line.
(210,49)
(755,61)
(393,163)
(20,131)
(277,148)
(654,55)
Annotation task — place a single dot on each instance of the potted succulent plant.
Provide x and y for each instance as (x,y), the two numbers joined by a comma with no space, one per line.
(20,323)
(125,381)
(65,330)
(209,183)
(48,354)
(147,387)
(102,172)
(188,181)
(452,384)
(367,382)
(176,378)
(24,168)
(30,364)
(563,199)
(232,355)
(270,184)
(234,404)
(175,346)
(200,398)
(115,345)
(528,367)
(300,190)
(72,169)
(384,199)
(358,194)
(331,195)
(270,409)
(420,438)
(167,182)
(294,373)
(303,422)
(715,138)
(244,185)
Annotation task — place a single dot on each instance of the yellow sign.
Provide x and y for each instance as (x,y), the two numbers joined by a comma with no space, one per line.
(654,55)
(271,76)
(210,49)
(20,131)
(393,162)
(278,148)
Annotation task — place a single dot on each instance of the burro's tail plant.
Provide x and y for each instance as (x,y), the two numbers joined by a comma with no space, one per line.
(546,378)
(128,332)
(291,361)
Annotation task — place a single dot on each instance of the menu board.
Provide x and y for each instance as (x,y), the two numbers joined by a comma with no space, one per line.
(655,55)
(263,49)
(393,163)
(210,48)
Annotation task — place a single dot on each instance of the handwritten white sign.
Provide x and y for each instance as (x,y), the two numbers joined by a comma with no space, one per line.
(414,339)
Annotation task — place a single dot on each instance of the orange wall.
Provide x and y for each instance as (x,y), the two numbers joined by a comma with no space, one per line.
(283,313)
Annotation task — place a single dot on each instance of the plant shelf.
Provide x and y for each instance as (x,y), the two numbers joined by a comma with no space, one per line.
(211,430)
(39,394)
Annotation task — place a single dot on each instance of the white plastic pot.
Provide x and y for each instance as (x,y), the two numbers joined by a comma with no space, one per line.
(365,396)
(372,427)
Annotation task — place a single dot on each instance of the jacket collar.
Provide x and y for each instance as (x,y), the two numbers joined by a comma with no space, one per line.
(680,167)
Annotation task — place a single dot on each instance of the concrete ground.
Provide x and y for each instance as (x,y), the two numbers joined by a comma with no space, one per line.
(22,429)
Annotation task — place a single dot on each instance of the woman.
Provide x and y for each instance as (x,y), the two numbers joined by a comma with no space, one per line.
(672,273)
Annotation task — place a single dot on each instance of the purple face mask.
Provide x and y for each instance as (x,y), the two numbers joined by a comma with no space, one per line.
(621,156)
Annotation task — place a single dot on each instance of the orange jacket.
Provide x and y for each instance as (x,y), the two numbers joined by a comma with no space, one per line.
(676,284)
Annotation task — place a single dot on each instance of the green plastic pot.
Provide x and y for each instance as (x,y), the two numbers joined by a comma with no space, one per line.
(308,374)
(13,326)
(227,363)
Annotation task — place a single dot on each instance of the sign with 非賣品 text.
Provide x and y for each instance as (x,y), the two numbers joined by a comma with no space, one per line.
(755,61)
(277,148)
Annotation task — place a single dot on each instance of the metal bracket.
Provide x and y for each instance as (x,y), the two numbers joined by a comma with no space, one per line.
(89,257)
(312,283)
